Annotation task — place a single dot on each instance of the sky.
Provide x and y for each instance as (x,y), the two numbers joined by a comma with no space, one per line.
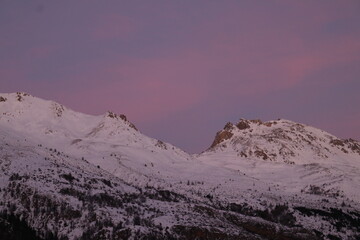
(180,70)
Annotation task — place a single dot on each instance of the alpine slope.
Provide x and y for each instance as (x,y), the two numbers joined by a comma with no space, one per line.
(69,175)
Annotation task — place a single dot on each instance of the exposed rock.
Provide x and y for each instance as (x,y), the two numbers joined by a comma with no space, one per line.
(132,126)
(20,95)
(257,121)
(242,154)
(337,142)
(19,98)
(269,124)
(112,115)
(220,137)
(261,153)
(160,144)
(353,145)
(229,126)
(2,99)
(59,109)
(122,117)
(344,150)
(243,124)
(291,140)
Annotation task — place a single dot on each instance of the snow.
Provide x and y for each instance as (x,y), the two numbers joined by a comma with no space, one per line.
(298,157)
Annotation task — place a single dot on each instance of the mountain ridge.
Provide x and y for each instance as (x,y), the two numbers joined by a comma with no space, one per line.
(291,137)
(68,175)
(224,134)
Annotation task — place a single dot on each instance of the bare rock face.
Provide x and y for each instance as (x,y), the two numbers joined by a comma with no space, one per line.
(112,115)
(226,133)
(2,99)
(229,126)
(353,145)
(133,126)
(337,142)
(346,145)
(256,121)
(243,124)
(20,96)
(261,154)
(122,117)
(58,109)
(220,137)
(161,144)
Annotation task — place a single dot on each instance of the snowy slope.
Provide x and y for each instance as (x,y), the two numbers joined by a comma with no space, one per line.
(275,175)
(283,141)
(297,157)
(47,120)
(107,140)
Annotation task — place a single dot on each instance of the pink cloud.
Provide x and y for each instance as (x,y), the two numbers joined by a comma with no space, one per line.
(228,55)
(328,55)
(148,90)
(151,89)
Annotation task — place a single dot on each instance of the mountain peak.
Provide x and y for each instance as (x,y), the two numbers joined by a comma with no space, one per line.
(228,131)
(21,105)
(281,141)
(18,96)
(75,176)
(113,115)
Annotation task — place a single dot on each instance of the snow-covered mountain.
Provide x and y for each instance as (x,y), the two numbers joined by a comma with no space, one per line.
(286,152)
(68,175)
(283,141)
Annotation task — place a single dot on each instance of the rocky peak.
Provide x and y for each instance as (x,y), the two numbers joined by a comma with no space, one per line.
(280,140)
(113,115)
(58,109)
(346,145)
(243,124)
(223,135)
(228,129)
(20,96)
(220,137)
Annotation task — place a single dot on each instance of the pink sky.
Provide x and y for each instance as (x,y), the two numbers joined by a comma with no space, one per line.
(181,69)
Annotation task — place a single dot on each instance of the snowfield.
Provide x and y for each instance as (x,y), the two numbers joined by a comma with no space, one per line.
(68,175)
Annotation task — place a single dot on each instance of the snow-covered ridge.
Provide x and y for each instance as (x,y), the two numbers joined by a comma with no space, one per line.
(281,141)
(43,119)
(19,108)
(106,140)
(78,176)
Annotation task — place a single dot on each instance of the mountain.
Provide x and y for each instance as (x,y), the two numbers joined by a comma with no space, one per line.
(297,157)
(283,141)
(68,175)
